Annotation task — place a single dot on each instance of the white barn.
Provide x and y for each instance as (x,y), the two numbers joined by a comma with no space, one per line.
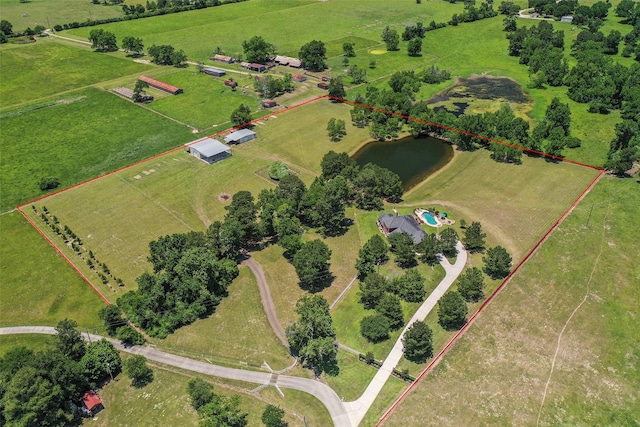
(208,150)
(240,136)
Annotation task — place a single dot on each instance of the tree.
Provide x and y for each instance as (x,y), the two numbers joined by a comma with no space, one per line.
(241,116)
(136,368)
(49,183)
(138,90)
(200,392)
(559,115)
(336,89)
(452,311)
(358,75)
(390,307)
(273,416)
(112,316)
(417,342)
(411,286)
(403,247)
(312,263)
(313,56)
(448,241)
(391,38)
(101,361)
(278,170)
(348,49)
(223,411)
(375,328)
(6,27)
(130,336)
(497,262)
(379,248)
(471,284)
(428,249)
(132,44)
(366,263)
(68,340)
(334,164)
(372,289)
(166,55)
(474,237)
(256,49)
(312,335)
(415,47)
(336,129)
(103,41)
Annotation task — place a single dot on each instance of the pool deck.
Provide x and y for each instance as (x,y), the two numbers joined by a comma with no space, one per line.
(439,221)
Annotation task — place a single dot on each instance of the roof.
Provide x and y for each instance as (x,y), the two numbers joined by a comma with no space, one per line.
(159,84)
(222,58)
(91,400)
(403,224)
(215,70)
(566,18)
(239,134)
(209,147)
(256,65)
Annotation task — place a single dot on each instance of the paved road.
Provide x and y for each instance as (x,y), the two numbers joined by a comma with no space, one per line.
(267,302)
(358,408)
(321,391)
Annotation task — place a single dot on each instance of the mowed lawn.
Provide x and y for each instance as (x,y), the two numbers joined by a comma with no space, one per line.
(47,67)
(37,287)
(76,137)
(54,12)
(497,372)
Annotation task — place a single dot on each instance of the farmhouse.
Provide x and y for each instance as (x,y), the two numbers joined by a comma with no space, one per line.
(214,72)
(298,78)
(222,58)
(268,103)
(208,150)
(323,85)
(160,85)
(240,136)
(389,224)
(92,403)
(287,60)
(254,67)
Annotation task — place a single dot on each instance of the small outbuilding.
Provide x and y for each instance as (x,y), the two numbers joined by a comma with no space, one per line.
(269,103)
(166,87)
(208,150)
(214,72)
(260,68)
(92,403)
(222,58)
(230,83)
(567,18)
(240,136)
(298,78)
(323,85)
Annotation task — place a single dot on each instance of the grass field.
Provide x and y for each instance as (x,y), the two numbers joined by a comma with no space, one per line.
(49,13)
(75,150)
(37,287)
(596,377)
(61,67)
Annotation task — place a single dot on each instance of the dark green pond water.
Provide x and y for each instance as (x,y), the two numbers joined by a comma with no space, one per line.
(412,159)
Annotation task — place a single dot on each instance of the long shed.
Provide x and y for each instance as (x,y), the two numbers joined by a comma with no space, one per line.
(166,87)
(214,72)
(208,150)
(240,136)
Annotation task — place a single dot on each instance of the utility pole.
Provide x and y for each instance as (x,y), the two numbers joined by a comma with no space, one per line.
(88,336)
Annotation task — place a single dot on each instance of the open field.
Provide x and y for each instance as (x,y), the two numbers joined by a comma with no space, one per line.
(75,150)
(575,299)
(49,13)
(31,341)
(62,67)
(37,287)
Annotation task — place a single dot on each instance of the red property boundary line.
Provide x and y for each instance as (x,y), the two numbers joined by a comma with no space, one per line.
(46,196)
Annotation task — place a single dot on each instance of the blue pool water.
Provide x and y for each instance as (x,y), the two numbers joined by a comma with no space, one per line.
(430,219)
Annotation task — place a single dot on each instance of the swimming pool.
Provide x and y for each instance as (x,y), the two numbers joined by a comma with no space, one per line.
(430,219)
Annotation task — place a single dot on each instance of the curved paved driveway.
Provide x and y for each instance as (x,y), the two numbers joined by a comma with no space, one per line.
(321,391)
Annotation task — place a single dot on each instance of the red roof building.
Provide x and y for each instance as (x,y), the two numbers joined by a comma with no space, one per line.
(298,78)
(160,85)
(92,402)
(323,85)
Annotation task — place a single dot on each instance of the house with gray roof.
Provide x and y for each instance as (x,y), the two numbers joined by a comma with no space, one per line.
(240,136)
(208,150)
(390,224)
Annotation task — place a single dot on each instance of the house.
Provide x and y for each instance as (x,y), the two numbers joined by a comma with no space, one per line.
(240,136)
(323,85)
(389,224)
(214,72)
(298,78)
(92,403)
(567,18)
(230,83)
(222,58)
(254,67)
(166,87)
(295,63)
(268,103)
(287,60)
(208,150)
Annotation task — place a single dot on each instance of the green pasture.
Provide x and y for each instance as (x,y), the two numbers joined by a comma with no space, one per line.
(353,375)
(34,342)
(76,137)
(237,332)
(37,286)
(46,68)
(49,13)
(596,375)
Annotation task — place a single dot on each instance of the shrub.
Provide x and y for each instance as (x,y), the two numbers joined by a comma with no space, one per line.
(49,183)
(278,170)
(375,328)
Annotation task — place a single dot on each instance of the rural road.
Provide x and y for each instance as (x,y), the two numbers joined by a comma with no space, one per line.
(321,391)
(267,302)
(357,409)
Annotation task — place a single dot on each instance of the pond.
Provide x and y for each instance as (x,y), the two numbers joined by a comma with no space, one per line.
(413,159)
